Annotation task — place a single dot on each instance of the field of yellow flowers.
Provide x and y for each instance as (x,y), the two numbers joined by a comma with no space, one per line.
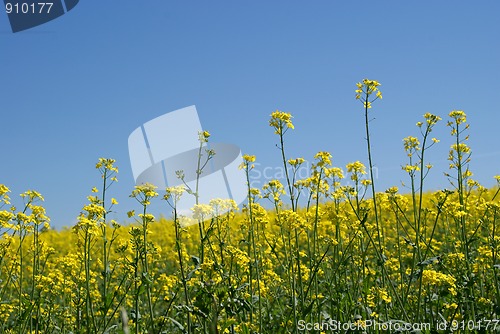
(343,260)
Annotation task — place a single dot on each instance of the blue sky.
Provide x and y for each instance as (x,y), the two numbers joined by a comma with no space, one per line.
(72,90)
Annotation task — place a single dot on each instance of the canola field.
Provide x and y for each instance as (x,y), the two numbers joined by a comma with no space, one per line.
(332,254)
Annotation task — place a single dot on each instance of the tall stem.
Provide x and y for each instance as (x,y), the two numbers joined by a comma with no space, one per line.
(372,178)
(178,247)
(105,264)
(283,156)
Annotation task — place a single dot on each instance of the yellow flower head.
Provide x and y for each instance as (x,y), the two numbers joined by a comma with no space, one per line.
(249,158)
(202,211)
(459,116)
(144,192)
(203,136)
(431,119)
(356,167)
(106,165)
(221,205)
(324,158)
(3,189)
(367,88)
(296,162)
(174,193)
(281,121)
(274,189)
(4,197)
(392,190)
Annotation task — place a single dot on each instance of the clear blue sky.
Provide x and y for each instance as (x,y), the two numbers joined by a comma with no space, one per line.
(73,90)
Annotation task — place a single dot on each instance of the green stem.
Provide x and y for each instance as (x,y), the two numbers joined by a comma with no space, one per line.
(372,178)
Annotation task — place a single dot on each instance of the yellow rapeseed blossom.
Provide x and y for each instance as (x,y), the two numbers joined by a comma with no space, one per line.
(174,194)
(459,116)
(248,161)
(296,162)
(435,278)
(323,159)
(4,197)
(249,158)
(273,189)
(411,168)
(356,167)
(365,89)
(203,136)
(222,205)
(281,121)
(431,119)
(411,144)
(5,218)
(144,193)
(107,164)
(202,211)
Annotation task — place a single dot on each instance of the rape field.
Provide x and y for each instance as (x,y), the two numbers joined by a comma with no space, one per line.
(349,258)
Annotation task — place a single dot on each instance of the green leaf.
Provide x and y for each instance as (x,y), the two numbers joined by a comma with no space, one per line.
(178,324)
(196,260)
(429,261)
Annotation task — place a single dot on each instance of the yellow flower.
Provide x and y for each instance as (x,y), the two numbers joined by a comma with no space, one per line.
(174,192)
(435,278)
(356,167)
(220,206)
(411,144)
(3,189)
(202,211)
(324,159)
(392,190)
(459,116)
(32,195)
(384,296)
(296,162)
(366,182)
(274,189)
(247,162)
(431,118)
(249,158)
(367,88)
(107,169)
(5,218)
(203,136)
(144,192)
(281,121)
(411,168)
